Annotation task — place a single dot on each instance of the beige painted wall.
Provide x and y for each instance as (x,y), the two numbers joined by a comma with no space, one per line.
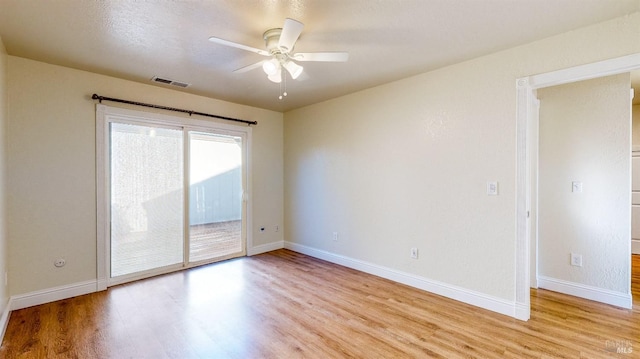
(406,164)
(4,251)
(51,166)
(584,136)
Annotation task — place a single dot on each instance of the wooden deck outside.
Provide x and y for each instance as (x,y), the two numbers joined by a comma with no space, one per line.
(144,250)
(215,240)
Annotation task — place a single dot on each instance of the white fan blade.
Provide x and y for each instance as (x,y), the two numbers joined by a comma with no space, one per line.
(322,56)
(220,41)
(290,33)
(250,67)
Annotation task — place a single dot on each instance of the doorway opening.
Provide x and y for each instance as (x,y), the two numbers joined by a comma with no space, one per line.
(526,200)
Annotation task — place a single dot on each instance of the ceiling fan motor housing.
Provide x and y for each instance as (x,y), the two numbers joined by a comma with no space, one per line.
(271,39)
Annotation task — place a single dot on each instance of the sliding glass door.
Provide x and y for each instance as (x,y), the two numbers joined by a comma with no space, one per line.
(146,198)
(175,197)
(215,196)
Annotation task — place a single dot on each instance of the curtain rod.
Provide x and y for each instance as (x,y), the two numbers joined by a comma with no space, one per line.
(190,112)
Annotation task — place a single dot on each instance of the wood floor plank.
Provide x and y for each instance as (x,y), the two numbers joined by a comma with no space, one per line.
(285,304)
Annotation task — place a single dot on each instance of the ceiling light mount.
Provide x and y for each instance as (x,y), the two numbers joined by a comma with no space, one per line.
(272,39)
(281,58)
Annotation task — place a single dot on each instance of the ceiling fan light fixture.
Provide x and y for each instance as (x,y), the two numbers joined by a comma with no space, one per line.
(279,43)
(271,67)
(276,76)
(294,69)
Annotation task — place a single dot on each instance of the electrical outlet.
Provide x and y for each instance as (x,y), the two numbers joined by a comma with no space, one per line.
(414,253)
(576,260)
(277,228)
(335,236)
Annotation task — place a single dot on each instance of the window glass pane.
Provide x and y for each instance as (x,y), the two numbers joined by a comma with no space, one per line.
(146,198)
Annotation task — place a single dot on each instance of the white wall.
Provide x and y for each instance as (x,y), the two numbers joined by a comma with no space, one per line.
(51,167)
(406,164)
(585,136)
(4,252)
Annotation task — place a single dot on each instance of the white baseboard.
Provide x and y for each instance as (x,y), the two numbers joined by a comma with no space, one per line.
(602,295)
(76,289)
(635,246)
(263,248)
(52,294)
(477,299)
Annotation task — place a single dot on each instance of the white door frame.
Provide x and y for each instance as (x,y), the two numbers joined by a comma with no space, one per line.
(526,157)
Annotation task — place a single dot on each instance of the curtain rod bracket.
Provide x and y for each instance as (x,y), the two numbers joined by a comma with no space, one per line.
(190,112)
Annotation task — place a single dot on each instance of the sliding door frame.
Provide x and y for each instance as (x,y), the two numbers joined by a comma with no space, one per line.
(104,116)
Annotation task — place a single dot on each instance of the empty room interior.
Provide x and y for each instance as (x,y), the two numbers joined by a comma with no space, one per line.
(320,179)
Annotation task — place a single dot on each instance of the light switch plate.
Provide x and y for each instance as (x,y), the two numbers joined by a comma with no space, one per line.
(576,187)
(492,188)
(576,260)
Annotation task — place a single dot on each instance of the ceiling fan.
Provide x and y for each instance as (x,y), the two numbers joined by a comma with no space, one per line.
(279,47)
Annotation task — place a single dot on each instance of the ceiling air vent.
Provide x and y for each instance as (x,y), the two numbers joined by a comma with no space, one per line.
(179,84)
(169,82)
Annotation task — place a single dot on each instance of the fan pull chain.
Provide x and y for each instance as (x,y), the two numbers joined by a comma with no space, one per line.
(285,84)
(285,87)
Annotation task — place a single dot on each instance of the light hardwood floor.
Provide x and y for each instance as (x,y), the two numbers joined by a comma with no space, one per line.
(286,305)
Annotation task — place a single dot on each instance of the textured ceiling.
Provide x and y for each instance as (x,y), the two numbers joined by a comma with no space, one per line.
(387,39)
